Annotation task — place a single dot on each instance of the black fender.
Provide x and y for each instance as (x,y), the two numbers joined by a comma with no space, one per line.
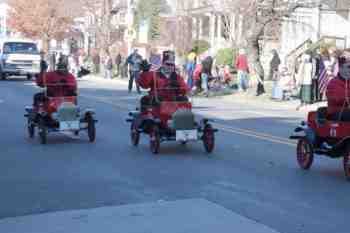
(304,131)
(88,113)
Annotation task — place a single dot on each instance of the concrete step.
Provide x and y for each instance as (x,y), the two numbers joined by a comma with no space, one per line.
(184,216)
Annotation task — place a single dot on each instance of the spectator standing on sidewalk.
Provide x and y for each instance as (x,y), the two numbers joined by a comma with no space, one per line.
(274,64)
(118,62)
(305,80)
(96,62)
(207,65)
(108,66)
(242,70)
(134,61)
(190,66)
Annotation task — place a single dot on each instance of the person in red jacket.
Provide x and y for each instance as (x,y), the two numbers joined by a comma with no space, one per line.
(164,84)
(242,70)
(338,91)
(58,83)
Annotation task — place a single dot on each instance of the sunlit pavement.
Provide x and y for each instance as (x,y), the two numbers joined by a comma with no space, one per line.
(252,173)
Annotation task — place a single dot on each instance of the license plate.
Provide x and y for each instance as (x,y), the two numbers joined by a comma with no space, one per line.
(69,125)
(186,135)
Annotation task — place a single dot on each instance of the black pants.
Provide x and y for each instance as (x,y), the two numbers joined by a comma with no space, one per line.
(38,98)
(260,89)
(134,75)
(315,91)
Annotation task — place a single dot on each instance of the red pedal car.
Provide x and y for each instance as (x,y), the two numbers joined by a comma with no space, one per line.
(323,136)
(59,114)
(169,121)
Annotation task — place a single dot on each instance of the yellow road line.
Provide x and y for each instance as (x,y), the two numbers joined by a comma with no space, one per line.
(243,132)
(256,134)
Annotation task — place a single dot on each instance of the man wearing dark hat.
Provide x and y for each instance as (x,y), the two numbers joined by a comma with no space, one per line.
(58,83)
(164,83)
(338,91)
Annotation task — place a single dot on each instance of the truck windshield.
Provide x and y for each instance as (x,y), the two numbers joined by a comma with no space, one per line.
(20,47)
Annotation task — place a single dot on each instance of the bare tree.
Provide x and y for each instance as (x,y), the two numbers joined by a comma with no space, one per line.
(101,12)
(183,35)
(259,16)
(41,19)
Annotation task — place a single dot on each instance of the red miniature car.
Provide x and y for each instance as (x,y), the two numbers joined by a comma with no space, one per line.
(169,121)
(323,136)
(59,113)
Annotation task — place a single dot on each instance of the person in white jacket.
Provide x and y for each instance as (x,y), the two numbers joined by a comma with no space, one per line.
(304,80)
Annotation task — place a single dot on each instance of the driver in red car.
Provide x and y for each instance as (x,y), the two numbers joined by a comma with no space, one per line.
(164,84)
(338,91)
(58,83)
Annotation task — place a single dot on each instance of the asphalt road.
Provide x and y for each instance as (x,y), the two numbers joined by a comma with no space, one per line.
(253,171)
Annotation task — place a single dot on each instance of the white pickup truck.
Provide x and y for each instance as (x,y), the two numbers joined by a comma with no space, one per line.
(19,57)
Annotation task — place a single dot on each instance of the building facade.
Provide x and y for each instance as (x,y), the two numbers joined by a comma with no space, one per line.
(330,21)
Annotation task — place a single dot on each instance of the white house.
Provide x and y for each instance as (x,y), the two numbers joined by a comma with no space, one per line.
(330,20)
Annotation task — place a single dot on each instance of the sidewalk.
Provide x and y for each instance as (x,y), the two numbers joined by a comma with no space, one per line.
(185,216)
(247,98)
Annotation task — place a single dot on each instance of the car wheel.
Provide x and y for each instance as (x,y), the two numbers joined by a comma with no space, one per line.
(305,154)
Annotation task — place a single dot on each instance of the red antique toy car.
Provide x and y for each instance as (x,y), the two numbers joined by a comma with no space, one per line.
(60,113)
(323,136)
(169,121)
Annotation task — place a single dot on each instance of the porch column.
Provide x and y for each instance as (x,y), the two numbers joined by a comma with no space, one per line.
(212,30)
(200,27)
(219,28)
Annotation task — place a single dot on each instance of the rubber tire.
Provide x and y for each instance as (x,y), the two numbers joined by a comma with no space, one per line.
(3,76)
(42,132)
(346,165)
(155,140)
(134,135)
(208,139)
(91,129)
(31,130)
(305,154)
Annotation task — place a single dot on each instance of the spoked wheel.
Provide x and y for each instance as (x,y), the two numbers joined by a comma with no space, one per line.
(305,154)
(346,164)
(42,132)
(31,129)
(134,134)
(155,140)
(91,129)
(208,139)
